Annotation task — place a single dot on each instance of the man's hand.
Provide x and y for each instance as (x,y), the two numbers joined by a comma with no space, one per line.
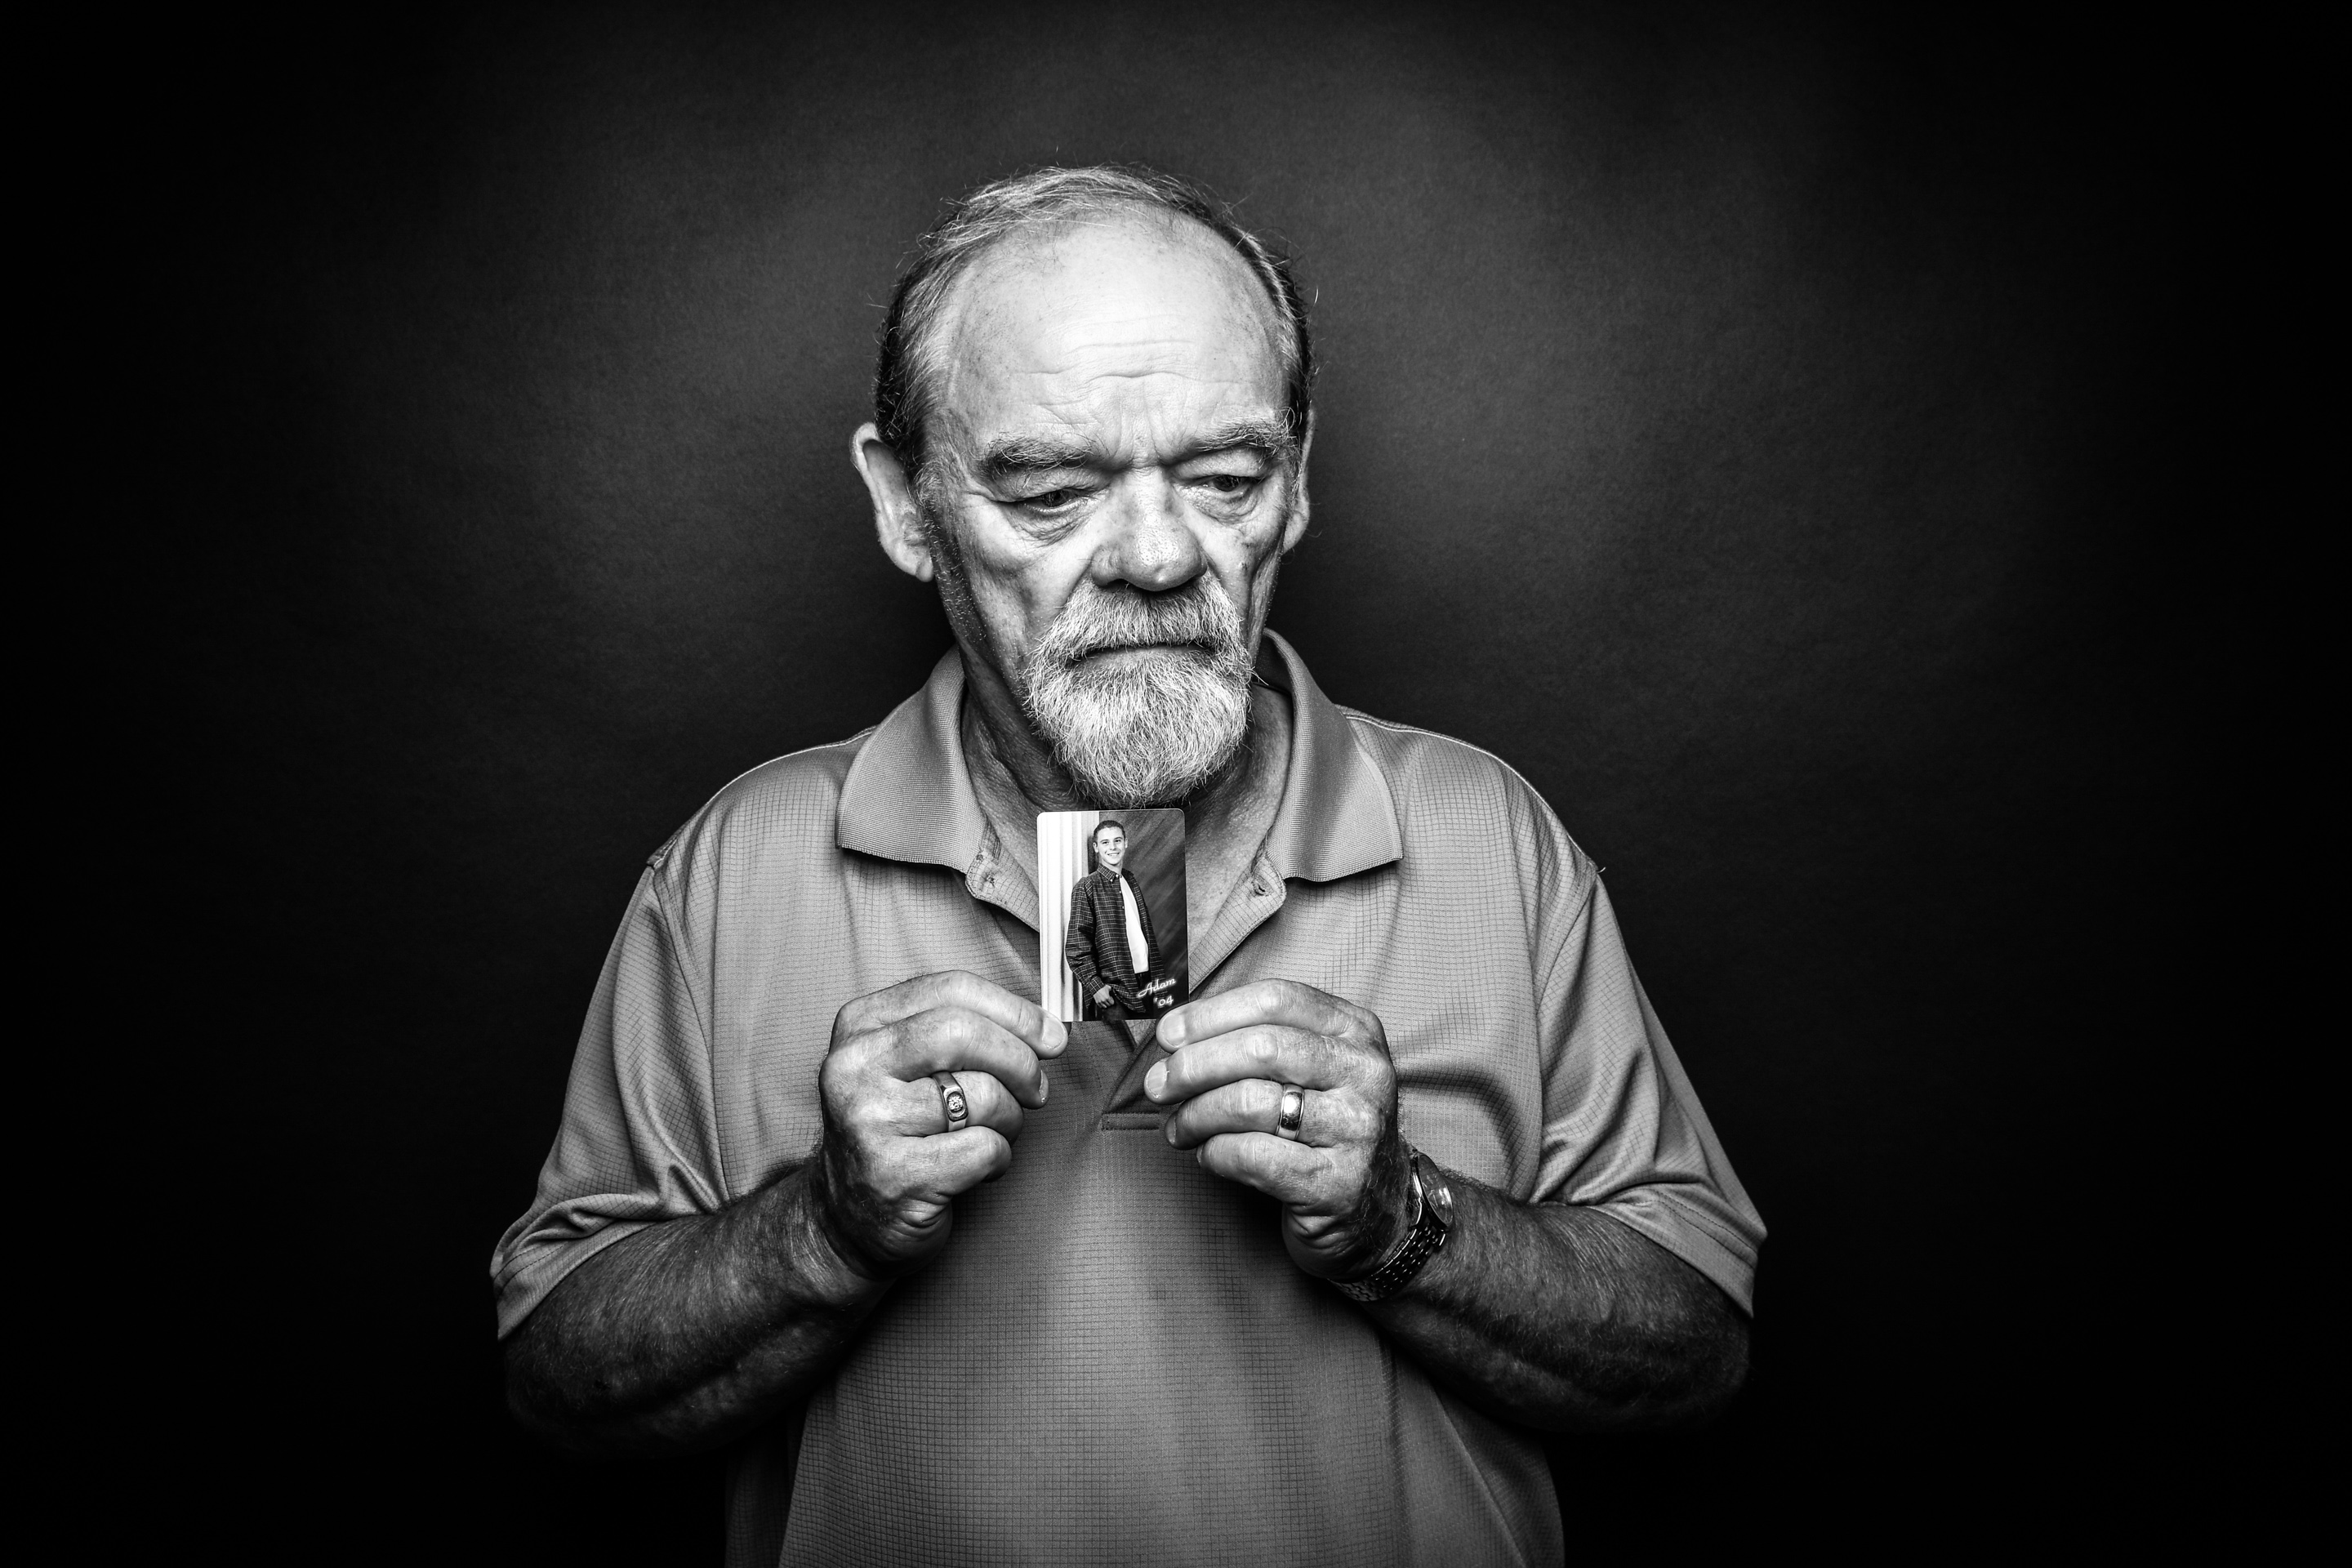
(1549,1315)
(697,1328)
(888,1167)
(1344,1183)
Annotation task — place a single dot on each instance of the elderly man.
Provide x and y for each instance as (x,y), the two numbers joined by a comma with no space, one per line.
(1414,1176)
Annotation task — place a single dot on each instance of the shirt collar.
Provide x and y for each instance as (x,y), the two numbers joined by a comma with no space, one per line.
(909,795)
(1337,816)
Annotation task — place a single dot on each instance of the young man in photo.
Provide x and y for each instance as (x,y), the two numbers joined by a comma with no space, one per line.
(1111,946)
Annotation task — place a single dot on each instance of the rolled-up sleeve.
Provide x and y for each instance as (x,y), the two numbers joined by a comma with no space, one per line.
(639,1140)
(1623,1132)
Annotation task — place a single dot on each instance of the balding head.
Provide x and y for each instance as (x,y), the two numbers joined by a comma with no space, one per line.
(1067,321)
(1029,210)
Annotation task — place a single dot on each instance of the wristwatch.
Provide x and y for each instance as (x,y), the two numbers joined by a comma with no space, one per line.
(1432,1217)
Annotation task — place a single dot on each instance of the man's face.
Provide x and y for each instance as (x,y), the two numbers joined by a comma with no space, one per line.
(1113,470)
(1110,847)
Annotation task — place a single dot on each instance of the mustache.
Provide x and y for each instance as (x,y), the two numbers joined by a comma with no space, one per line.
(1201,615)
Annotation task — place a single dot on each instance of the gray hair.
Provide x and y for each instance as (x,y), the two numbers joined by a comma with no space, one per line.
(902,376)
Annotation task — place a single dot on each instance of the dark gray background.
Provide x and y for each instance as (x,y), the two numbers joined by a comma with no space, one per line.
(1759,426)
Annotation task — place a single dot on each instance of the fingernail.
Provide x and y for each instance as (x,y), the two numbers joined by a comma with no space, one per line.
(1042,1086)
(1057,1034)
(1156,1079)
(1171,1030)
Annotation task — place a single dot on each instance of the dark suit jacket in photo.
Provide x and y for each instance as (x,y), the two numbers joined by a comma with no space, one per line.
(1097,943)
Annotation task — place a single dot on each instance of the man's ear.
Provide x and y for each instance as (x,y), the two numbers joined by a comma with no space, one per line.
(897,518)
(1295,529)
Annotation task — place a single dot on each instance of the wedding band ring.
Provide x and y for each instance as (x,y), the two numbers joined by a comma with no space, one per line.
(959,1109)
(1291,1111)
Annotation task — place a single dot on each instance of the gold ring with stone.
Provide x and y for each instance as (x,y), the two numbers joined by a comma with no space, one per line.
(952,1098)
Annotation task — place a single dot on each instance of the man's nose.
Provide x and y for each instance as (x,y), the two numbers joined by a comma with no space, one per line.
(1151,546)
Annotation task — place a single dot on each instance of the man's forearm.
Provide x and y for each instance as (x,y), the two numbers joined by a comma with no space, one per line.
(691,1331)
(1559,1317)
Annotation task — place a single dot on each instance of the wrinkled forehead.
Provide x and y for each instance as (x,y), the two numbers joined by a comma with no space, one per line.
(1122,323)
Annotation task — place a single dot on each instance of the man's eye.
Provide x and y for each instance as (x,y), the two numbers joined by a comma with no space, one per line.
(1230,484)
(1052,501)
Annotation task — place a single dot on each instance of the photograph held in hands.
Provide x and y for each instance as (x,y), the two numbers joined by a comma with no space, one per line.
(1111,915)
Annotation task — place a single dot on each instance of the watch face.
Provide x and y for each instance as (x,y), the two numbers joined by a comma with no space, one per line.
(1434,1186)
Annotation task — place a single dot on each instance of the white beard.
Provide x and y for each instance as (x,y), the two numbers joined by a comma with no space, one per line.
(1155,727)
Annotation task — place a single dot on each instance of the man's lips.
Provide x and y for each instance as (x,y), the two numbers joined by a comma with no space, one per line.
(1171,645)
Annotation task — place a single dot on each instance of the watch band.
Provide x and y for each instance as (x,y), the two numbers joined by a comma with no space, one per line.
(1421,1242)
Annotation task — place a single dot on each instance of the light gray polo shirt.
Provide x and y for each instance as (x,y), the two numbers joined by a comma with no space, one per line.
(1113,1359)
